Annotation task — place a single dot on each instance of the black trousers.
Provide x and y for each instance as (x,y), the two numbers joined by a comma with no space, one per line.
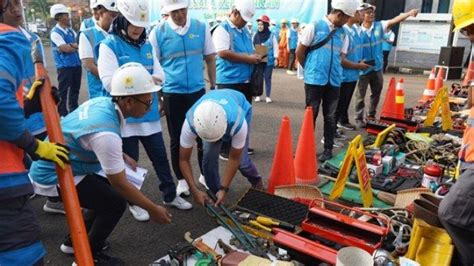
(105,208)
(291,62)
(69,84)
(176,106)
(345,96)
(242,87)
(385,60)
(329,96)
(19,227)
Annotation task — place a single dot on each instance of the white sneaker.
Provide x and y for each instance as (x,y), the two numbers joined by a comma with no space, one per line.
(268,100)
(289,72)
(138,213)
(202,180)
(179,203)
(257,99)
(182,188)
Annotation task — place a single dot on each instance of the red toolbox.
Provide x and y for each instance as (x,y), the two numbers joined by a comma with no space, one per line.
(346,226)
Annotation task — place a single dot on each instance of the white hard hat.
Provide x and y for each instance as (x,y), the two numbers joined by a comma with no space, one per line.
(246,9)
(58,9)
(172,5)
(365,6)
(210,121)
(135,11)
(132,79)
(349,7)
(110,5)
(294,20)
(93,4)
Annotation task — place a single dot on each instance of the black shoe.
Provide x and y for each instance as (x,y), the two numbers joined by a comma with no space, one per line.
(250,151)
(339,135)
(325,155)
(106,260)
(224,156)
(346,126)
(66,246)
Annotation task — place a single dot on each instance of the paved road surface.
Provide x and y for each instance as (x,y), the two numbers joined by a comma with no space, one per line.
(142,243)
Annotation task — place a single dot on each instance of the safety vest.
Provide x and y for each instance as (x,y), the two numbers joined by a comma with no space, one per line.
(466,153)
(229,72)
(354,54)
(88,23)
(61,59)
(181,57)
(96,115)
(372,47)
(323,65)
(35,123)
(14,181)
(386,46)
(269,44)
(293,39)
(236,107)
(127,53)
(95,36)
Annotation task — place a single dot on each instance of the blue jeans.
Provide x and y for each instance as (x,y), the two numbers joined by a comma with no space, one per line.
(268,80)
(210,162)
(156,151)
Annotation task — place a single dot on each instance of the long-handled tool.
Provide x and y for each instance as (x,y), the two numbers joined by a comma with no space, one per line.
(82,250)
(235,228)
(386,197)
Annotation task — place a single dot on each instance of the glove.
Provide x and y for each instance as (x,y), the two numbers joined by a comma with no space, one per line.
(32,103)
(53,152)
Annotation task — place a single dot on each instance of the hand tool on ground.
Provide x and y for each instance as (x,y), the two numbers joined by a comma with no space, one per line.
(226,248)
(386,197)
(266,221)
(236,229)
(202,247)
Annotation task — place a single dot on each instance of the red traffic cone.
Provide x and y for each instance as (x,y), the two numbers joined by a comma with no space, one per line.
(429,93)
(283,172)
(469,77)
(388,108)
(400,100)
(306,166)
(439,79)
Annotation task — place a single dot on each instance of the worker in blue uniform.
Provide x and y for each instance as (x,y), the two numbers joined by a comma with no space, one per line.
(19,228)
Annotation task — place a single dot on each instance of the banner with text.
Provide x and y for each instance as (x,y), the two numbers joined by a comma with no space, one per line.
(210,10)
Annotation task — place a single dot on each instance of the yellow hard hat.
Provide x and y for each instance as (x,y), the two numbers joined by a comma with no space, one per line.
(463,13)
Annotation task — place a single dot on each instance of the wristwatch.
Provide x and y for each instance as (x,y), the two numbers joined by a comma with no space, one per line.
(225,189)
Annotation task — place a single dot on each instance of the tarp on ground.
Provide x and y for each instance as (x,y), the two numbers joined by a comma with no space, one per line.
(209,10)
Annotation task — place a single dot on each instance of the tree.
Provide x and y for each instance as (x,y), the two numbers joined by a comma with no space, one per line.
(41,8)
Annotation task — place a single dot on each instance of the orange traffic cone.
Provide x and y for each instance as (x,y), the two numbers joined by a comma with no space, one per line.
(305,157)
(388,108)
(469,78)
(429,92)
(283,172)
(439,79)
(400,100)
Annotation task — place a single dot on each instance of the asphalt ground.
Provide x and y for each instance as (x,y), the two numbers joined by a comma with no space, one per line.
(141,243)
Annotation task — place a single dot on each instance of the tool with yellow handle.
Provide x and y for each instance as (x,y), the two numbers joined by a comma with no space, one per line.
(259,225)
(270,222)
